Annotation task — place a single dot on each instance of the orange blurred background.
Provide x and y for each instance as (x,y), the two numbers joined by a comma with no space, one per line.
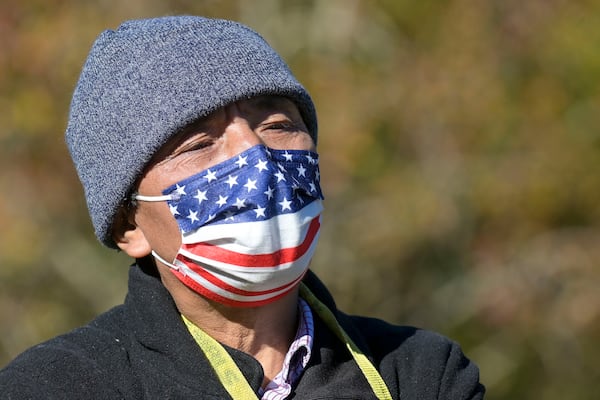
(460,146)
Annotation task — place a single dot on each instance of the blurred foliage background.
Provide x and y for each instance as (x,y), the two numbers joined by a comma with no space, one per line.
(460,145)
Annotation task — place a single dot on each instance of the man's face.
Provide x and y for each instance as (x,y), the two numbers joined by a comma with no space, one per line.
(269,120)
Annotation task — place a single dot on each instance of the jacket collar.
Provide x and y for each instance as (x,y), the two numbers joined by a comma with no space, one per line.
(156,323)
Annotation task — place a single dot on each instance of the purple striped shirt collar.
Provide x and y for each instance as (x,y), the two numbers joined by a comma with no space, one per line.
(296,358)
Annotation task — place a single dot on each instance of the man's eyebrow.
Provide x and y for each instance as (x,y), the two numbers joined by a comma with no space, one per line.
(279,102)
(175,142)
(198,123)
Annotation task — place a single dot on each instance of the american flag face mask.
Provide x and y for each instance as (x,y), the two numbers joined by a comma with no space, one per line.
(249,225)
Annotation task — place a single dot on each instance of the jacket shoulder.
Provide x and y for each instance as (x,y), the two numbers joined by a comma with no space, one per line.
(423,364)
(88,362)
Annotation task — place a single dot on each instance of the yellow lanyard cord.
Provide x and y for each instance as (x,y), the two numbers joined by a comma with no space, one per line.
(369,371)
(227,371)
(236,384)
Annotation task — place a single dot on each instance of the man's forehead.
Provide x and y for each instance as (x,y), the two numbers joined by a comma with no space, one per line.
(271,101)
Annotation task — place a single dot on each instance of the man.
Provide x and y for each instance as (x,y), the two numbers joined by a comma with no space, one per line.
(196,146)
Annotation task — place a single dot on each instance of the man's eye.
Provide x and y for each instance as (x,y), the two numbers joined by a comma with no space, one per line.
(200,145)
(284,126)
(192,146)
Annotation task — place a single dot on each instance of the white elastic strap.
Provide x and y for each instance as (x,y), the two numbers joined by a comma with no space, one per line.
(165,197)
(162,260)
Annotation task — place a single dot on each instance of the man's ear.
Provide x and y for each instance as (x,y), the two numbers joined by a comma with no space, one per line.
(133,242)
(128,236)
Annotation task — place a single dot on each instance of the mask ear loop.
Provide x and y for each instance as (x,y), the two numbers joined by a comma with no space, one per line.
(162,260)
(165,197)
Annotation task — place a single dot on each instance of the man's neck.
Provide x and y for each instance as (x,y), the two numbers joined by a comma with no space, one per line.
(264,332)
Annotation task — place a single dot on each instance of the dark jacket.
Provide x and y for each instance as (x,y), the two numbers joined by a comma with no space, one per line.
(142,350)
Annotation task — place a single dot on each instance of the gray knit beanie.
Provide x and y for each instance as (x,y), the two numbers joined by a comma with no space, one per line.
(148,79)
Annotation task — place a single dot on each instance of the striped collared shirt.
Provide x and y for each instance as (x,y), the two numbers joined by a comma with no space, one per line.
(296,358)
